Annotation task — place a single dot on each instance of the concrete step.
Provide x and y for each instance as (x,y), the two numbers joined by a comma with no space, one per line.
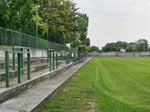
(34,67)
(32,99)
(13,73)
(36,77)
(33,61)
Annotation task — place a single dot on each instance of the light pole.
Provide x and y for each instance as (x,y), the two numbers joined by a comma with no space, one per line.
(20,20)
(37,21)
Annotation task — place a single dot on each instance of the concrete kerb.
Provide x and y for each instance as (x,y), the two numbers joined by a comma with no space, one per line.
(48,98)
(14,91)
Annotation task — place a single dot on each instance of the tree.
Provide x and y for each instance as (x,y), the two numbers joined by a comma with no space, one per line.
(59,17)
(75,43)
(110,47)
(16,14)
(82,23)
(131,47)
(121,45)
(92,48)
(57,20)
(88,42)
(140,45)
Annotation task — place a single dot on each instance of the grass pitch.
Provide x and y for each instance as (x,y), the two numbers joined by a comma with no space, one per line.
(106,85)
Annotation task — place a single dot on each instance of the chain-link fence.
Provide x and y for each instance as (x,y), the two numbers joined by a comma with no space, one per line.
(13,38)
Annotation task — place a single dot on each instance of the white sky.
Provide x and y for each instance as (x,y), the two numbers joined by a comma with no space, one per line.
(114,20)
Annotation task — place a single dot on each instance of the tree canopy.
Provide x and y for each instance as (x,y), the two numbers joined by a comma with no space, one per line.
(140,45)
(57,20)
(92,49)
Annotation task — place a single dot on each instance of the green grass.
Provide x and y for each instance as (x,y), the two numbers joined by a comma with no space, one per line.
(106,85)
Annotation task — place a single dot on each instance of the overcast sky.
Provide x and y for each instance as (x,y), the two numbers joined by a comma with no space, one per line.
(114,20)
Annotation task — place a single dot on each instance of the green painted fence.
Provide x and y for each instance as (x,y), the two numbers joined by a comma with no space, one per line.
(14,38)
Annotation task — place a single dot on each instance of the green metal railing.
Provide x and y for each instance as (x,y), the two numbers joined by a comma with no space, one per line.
(52,59)
(21,44)
(14,38)
(19,52)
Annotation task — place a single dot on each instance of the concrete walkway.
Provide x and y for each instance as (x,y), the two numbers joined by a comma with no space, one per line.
(32,99)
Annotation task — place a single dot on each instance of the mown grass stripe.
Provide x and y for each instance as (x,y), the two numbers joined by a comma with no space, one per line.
(106,85)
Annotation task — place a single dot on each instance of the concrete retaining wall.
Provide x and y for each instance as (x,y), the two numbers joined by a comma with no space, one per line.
(120,54)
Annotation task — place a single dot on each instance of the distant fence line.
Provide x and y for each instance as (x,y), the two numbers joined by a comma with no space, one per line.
(13,38)
(120,54)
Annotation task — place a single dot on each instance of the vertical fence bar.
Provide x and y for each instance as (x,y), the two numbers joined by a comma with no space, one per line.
(56,61)
(69,58)
(53,61)
(74,55)
(19,67)
(49,53)
(78,56)
(64,53)
(28,66)
(7,68)
(21,58)
(66,56)
(14,60)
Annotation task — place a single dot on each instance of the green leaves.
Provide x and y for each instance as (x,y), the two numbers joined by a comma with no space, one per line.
(7,15)
(81,29)
(140,45)
(57,20)
(16,14)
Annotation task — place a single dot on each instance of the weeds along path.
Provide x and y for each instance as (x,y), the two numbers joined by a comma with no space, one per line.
(78,95)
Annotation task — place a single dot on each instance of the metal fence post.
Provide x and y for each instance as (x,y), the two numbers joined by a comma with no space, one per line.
(53,61)
(78,56)
(66,57)
(69,58)
(47,55)
(74,57)
(56,61)
(28,66)
(50,68)
(7,68)
(14,61)
(19,67)
(21,58)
